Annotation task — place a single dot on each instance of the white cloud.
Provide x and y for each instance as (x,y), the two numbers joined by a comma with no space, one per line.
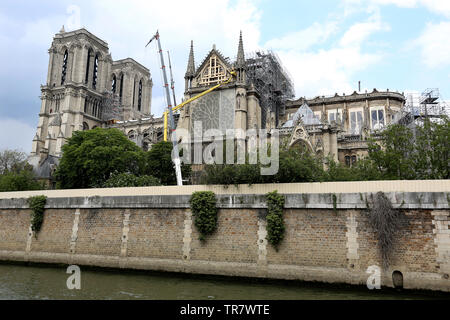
(15,134)
(361,31)
(329,71)
(301,40)
(435,44)
(127,28)
(441,7)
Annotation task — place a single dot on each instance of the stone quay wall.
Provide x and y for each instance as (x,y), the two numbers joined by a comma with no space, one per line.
(328,236)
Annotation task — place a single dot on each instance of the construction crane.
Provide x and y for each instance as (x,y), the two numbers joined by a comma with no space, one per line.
(181,105)
(168,115)
(172,83)
(176,155)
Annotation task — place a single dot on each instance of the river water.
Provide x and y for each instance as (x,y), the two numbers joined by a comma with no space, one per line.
(44,282)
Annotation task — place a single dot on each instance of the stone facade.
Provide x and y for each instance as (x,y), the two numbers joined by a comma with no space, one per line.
(344,122)
(81,77)
(158,233)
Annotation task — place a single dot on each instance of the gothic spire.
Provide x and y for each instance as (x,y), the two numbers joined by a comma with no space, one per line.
(240,61)
(191,64)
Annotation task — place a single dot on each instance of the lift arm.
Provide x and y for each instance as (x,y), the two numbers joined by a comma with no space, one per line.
(181,105)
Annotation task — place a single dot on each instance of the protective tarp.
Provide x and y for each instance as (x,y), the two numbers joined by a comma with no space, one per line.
(305,114)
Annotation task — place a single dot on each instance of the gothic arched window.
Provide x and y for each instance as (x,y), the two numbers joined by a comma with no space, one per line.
(121,87)
(85,126)
(95,72)
(140,96)
(131,134)
(114,84)
(88,65)
(64,67)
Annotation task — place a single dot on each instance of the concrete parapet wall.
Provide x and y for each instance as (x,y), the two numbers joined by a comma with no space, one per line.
(285,188)
(328,236)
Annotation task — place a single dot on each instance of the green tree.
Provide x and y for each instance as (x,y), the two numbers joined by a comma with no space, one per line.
(160,165)
(393,154)
(433,142)
(12,161)
(15,172)
(90,157)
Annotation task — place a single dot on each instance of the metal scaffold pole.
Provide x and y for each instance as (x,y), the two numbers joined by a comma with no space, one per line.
(175,153)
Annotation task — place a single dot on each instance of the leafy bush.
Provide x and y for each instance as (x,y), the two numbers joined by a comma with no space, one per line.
(19,181)
(37,206)
(274,218)
(118,180)
(204,210)
(294,166)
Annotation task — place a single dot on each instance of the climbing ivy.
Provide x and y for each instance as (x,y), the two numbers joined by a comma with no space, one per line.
(386,222)
(204,210)
(275,224)
(37,205)
(334,203)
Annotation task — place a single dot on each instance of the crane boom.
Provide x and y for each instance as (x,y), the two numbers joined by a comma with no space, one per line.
(172,83)
(175,153)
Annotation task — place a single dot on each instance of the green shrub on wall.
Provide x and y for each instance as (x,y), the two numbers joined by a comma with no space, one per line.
(274,218)
(37,205)
(204,210)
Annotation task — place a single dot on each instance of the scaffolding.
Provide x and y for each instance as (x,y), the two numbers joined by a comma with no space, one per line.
(272,82)
(418,107)
(112,110)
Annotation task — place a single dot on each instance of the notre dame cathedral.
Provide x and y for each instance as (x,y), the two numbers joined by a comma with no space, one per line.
(85,89)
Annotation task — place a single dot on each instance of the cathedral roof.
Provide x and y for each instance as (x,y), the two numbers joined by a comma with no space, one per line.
(303,114)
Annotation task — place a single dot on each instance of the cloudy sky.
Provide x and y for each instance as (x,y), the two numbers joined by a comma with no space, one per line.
(326,45)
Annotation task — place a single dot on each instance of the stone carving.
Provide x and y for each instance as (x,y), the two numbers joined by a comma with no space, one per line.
(300,135)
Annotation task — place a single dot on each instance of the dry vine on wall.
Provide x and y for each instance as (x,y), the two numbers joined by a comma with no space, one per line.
(386,222)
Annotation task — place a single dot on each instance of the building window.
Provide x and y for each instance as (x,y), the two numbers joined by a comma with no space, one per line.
(87,66)
(121,88)
(353,160)
(335,115)
(318,115)
(85,126)
(140,96)
(114,84)
(377,117)
(347,161)
(132,135)
(64,67)
(95,73)
(356,121)
(134,93)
